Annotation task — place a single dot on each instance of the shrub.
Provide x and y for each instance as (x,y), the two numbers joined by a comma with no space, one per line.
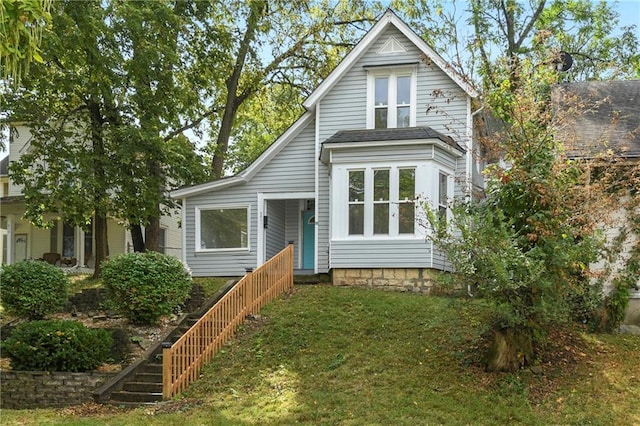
(145,286)
(33,289)
(56,345)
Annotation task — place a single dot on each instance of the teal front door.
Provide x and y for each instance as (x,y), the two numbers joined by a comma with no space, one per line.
(308,239)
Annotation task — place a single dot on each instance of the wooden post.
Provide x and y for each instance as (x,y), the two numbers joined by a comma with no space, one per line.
(167,380)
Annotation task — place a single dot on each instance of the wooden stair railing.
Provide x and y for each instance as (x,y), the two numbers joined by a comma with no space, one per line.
(183,360)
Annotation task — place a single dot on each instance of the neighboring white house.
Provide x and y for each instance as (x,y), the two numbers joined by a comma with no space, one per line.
(72,245)
(389,128)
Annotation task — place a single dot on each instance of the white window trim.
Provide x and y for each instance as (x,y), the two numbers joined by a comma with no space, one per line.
(393,73)
(201,208)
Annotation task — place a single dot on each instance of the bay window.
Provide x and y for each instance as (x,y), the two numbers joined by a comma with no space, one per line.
(381,201)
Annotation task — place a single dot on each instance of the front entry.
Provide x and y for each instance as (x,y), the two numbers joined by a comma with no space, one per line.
(308,239)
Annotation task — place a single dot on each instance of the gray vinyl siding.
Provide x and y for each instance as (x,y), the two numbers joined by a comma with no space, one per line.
(292,170)
(275,233)
(392,253)
(345,107)
(441,105)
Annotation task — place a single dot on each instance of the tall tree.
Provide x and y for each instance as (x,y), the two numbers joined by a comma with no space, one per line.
(21,25)
(67,103)
(104,112)
(278,42)
(528,245)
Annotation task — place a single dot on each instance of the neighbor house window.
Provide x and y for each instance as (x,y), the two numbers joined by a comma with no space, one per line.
(392,99)
(223,228)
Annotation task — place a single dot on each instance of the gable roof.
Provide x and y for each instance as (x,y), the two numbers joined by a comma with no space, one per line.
(253,168)
(603,117)
(388,19)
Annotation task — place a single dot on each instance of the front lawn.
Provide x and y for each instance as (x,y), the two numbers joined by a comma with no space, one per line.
(335,355)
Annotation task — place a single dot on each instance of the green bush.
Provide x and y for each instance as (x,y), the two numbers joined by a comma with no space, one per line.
(146,286)
(56,345)
(33,289)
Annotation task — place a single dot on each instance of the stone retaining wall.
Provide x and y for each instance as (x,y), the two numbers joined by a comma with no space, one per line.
(41,389)
(419,280)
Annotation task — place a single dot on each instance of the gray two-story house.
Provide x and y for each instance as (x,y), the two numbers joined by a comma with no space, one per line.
(387,131)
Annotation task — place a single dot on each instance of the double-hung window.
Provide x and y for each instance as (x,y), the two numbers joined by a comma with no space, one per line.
(381,201)
(356,202)
(222,228)
(392,98)
(406,200)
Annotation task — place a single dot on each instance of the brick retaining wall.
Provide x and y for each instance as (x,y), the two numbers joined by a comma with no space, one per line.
(419,280)
(41,389)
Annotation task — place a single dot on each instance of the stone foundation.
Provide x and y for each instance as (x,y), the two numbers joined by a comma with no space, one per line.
(417,280)
(40,389)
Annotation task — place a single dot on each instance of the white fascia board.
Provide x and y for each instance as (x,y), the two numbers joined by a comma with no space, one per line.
(349,60)
(208,186)
(389,18)
(277,145)
(437,59)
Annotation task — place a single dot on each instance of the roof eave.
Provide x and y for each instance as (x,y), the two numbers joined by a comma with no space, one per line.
(427,141)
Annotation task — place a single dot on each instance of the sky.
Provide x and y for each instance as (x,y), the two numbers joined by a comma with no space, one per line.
(629,11)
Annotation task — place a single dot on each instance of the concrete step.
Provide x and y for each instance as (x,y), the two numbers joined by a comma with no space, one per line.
(153,368)
(148,377)
(125,396)
(145,387)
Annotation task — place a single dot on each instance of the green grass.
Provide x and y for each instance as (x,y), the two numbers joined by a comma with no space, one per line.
(335,355)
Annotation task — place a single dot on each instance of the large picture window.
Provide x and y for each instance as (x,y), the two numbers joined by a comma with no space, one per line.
(223,228)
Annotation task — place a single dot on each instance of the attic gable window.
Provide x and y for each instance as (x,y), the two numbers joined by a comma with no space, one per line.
(391,98)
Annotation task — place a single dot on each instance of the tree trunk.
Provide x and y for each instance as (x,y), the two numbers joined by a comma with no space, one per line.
(510,350)
(137,238)
(100,184)
(152,234)
(102,246)
(233,100)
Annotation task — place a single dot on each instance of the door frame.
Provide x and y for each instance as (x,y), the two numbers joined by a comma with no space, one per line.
(263,197)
